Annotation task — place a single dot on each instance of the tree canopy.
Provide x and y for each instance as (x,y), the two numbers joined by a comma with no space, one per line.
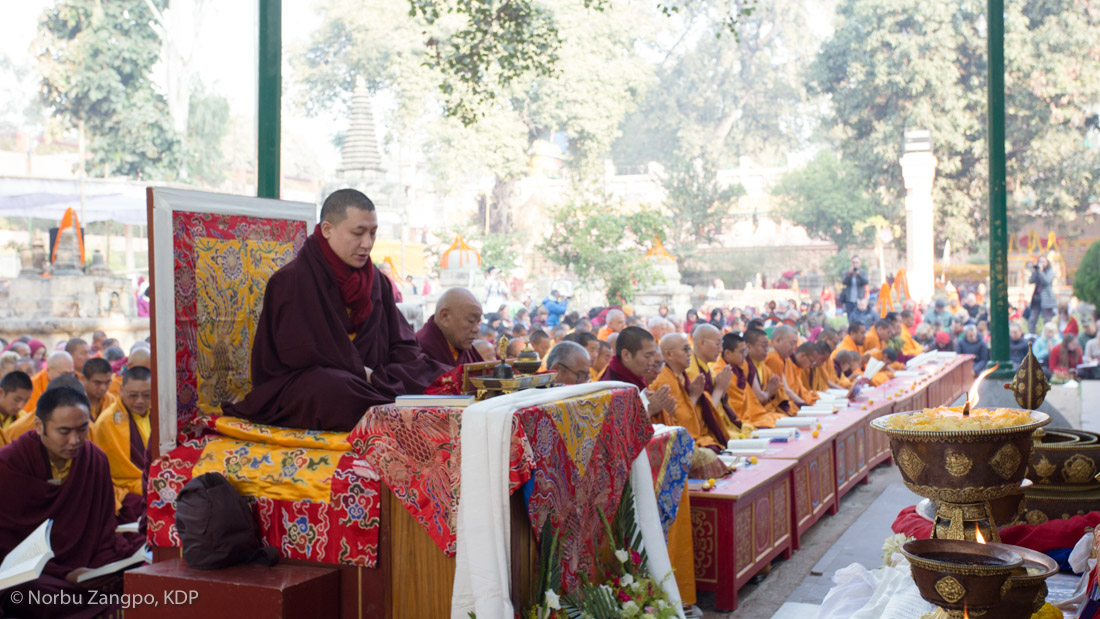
(890,67)
(823,198)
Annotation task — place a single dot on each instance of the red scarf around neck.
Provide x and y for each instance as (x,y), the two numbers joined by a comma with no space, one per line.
(617,370)
(355,284)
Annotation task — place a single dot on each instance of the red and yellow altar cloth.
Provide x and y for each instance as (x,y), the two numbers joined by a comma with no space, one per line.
(314,499)
(577,452)
(669,453)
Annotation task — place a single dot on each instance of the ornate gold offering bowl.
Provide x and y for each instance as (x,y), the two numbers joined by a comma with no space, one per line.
(1028,587)
(1065,459)
(957,575)
(970,473)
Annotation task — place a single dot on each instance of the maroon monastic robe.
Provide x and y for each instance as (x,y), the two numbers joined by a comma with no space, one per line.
(435,345)
(83,513)
(306,370)
(133,506)
(616,370)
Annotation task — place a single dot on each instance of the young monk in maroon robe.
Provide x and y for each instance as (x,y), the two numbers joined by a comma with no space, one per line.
(331,342)
(635,352)
(52,472)
(448,336)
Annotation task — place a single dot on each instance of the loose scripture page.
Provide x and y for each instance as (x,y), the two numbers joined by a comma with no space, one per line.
(26,561)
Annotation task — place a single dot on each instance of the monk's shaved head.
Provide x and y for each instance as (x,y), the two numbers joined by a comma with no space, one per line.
(139,358)
(59,363)
(456,297)
(672,341)
(335,208)
(784,340)
(705,329)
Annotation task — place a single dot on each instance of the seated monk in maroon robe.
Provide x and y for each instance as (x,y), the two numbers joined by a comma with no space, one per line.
(331,342)
(448,336)
(635,355)
(53,472)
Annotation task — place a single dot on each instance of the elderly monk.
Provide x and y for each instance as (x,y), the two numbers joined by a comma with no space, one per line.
(96,376)
(781,362)
(15,390)
(330,342)
(58,363)
(882,332)
(706,350)
(748,397)
(122,432)
(616,322)
(570,360)
(823,361)
(52,472)
(910,347)
(659,327)
(694,410)
(448,336)
(79,350)
(635,356)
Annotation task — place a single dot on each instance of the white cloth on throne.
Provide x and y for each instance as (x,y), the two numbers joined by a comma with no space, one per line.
(483,541)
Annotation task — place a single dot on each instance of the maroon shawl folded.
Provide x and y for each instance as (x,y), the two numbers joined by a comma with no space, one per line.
(615,370)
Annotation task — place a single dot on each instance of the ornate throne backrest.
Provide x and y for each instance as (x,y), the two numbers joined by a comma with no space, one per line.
(210,257)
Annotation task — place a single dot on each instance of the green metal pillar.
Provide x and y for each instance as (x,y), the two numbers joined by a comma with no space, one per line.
(269,98)
(998,224)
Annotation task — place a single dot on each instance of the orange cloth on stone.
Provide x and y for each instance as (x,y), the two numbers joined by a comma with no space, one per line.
(111,433)
(39,383)
(687,415)
(789,370)
(910,347)
(107,401)
(681,551)
(748,407)
(605,332)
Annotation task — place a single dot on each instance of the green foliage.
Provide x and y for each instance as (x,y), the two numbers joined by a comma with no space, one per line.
(698,203)
(95,58)
(826,201)
(727,97)
(207,124)
(889,68)
(602,246)
(495,43)
(836,265)
(500,250)
(1086,283)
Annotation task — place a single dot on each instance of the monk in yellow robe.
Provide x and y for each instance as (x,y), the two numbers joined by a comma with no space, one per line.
(882,332)
(706,348)
(781,362)
(616,321)
(763,400)
(15,390)
(827,366)
(694,410)
(140,357)
(96,377)
(810,365)
(58,363)
(910,347)
(122,432)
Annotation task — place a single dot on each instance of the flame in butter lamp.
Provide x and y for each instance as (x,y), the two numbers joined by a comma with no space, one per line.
(971,461)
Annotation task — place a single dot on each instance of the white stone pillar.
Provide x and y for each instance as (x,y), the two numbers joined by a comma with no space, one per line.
(918,168)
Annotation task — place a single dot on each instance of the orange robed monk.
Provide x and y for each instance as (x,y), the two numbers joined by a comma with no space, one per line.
(747,396)
(781,361)
(694,410)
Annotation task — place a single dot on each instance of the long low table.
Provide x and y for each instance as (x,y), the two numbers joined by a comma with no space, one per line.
(816,473)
